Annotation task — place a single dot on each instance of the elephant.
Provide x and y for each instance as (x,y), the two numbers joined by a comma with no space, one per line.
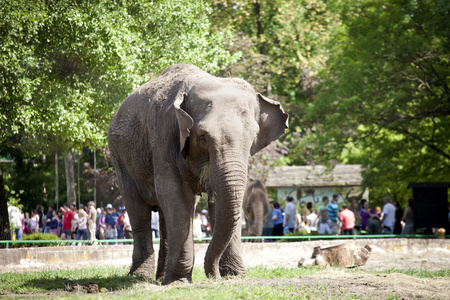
(175,137)
(256,207)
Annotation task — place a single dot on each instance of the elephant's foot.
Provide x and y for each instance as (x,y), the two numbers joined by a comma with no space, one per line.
(145,268)
(231,267)
(169,280)
(212,268)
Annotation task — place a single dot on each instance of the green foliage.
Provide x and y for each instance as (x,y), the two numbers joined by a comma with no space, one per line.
(38,236)
(66,65)
(385,98)
(13,197)
(288,37)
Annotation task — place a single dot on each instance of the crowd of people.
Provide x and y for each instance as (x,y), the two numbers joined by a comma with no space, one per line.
(90,223)
(330,219)
(72,223)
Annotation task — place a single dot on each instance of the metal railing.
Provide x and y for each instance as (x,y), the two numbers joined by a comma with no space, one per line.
(261,239)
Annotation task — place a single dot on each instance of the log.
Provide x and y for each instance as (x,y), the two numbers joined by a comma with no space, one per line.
(346,255)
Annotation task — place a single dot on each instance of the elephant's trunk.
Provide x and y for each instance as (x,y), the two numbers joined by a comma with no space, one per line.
(227,185)
(259,216)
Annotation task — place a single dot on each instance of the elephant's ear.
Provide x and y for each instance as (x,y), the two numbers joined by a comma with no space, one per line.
(185,122)
(272,121)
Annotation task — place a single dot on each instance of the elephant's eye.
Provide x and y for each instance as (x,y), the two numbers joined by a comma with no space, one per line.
(202,141)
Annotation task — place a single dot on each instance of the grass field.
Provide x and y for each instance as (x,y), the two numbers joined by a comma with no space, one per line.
(259,283)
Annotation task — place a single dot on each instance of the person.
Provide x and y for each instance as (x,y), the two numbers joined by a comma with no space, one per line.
(333,215)
(74,227)
(34,221)
(408,218)
(313,220)
(206,228)
(102,225)
(290,212)
(324,206)
(197,225)
(348,220)
(110,233)
(82,225)
(53,227)
(374,223)
(268,226)
(365,214)
(110,220)
(67,223)
(398,218)
(305,226)
(324,227)
(48,218)
(155,224)
(40,213)
(60,221)
(125,222)
(91,221)
(388,216)
(120,233)
(277,220)
(15,219)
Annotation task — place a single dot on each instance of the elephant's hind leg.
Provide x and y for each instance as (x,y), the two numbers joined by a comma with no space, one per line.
(163,249)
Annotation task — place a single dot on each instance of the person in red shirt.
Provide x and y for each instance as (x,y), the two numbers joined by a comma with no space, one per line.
(67,223)
(348,221)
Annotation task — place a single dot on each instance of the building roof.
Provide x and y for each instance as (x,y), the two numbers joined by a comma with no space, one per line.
(314,176)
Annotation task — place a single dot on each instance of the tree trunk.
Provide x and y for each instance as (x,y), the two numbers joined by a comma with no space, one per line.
(5,233)
(56,181)
(70,178)
(345,255)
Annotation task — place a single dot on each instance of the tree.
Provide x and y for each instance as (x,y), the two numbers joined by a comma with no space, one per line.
(66,65)
(385,99)
(288,40)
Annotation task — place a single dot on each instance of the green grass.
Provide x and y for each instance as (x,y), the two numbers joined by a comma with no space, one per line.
(51,283)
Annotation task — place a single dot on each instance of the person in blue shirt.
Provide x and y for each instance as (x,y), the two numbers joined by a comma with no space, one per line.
(111,219)
(333,215)
(277,220)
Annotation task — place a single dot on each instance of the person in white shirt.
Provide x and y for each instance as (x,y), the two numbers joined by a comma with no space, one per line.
(388,216)
(313,220)
(155,224)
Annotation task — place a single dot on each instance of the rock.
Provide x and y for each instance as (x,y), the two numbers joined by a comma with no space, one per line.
(345,255)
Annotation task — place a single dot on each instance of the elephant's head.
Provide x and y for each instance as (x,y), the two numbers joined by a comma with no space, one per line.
(222,122)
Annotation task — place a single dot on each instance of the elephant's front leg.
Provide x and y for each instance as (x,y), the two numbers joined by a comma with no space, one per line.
(231,263)
(177,205)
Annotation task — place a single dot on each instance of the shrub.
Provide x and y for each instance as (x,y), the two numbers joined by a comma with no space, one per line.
(38,236)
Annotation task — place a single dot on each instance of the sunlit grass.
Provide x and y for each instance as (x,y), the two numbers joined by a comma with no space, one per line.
(115,279)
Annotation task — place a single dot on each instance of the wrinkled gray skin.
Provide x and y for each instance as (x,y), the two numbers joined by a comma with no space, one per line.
(181,134)
(256,208)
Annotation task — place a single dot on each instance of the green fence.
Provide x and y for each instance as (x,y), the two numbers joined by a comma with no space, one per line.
(293,238)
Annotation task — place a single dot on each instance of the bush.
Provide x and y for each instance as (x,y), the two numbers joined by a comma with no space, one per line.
(38,236)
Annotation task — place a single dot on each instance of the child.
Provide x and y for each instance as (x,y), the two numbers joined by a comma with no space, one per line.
(110,234)
(54,223)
